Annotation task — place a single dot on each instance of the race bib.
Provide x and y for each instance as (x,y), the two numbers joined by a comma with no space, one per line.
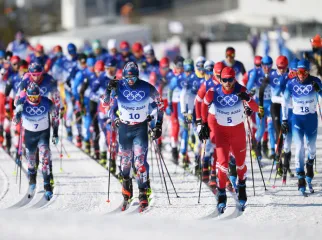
(35,124)
(133,113)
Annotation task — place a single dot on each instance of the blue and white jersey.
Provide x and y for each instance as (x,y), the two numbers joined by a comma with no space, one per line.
(177,83)
(135,103)
(256,79)
(12,85)
(98,87)
(237,66)
(48,86)
(189,92)
(35,118)
(304,98)
(61,69)
(166,82)
(19,48)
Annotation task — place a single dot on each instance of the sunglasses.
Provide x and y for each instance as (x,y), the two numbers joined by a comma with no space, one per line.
(33,98)
(230,80)
(131,78)
(14,64)
(302,72)
(165,69)
(200,68)
(230,55)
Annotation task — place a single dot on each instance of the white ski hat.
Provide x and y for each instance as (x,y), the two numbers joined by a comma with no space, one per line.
(111,44)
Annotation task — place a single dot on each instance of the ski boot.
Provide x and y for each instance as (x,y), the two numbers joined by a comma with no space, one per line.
(265,148)
(79,139)
(259,153)
(273,155)
(205,172)
(185,161)
(51,176)
(87,147)
(113,166)
(286,166)
(69,134)
(309,174)
(175,155)
(49,192)
(143,198)
(222,200)
(213,181)
(254,147)
(301,183)
(242,196)
(32,183)
(8,142)
(127,192)
(197,165)
(103,158)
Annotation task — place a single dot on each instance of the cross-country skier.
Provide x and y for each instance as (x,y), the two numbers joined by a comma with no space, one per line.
(210,82)
(230,100)
(235,64)
(136,101)
(257,79)
(173,101)
(47,86)
(273,80)
(38,56)
(304,91)
(33,110)
(278,94)
(19,47)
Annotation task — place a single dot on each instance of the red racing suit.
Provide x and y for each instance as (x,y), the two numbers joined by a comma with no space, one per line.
(229,128)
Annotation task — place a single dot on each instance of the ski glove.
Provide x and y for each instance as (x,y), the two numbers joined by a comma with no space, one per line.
(188,117)
(55,138)
(316,86)
(169,109)
(156,132)
(149,118)
(117,122)
(284,127)
(112,84)
(248,111)
(204,132)
(244,96)
(261,112)
(16,120)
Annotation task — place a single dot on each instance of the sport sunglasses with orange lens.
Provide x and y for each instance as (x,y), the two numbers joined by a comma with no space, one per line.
(33,97)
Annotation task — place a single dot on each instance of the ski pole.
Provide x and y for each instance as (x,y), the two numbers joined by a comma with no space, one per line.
(200,163)
(61,146)
(155,152)
(165,182)
(109,170)
(16,160)
(151,159)
(162,159)
(20,156)
(251,158)
(260,168)
(278,142)
(319,106)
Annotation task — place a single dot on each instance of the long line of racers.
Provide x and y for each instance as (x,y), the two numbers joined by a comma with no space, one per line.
(76,82)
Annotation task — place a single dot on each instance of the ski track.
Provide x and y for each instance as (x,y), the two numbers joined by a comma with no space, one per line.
(82,185)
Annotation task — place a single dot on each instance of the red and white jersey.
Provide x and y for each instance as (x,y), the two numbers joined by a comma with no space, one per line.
(229,108)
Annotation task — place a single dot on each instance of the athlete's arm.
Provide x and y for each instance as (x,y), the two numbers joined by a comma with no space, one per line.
(285,102)
(199,99)
(209,96)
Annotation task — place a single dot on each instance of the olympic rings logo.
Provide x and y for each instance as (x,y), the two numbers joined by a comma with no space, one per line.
(276,81)
(305,90)
(43,90)
(32,111)
(229,100)
(134,95)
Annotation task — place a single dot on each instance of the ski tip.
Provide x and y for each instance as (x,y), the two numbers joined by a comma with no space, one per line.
(108,200)
(61,170)
(61,155)
(14,173)
(68,156)
(274,186)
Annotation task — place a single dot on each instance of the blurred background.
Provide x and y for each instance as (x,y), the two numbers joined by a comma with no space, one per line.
(180,25)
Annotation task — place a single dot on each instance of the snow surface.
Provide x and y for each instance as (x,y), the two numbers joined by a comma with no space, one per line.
(79,208)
